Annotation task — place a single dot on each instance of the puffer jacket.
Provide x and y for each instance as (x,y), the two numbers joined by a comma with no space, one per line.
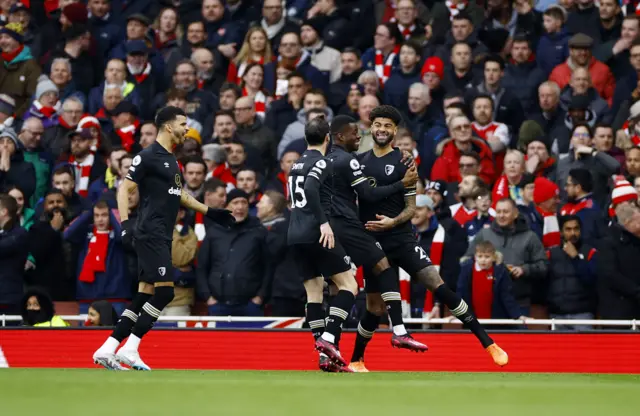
(19,79)
(572,282)
(446,167)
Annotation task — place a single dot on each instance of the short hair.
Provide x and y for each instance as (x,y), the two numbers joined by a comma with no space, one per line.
(184,61)
(296,74)
(125,156)
(65,61)
(555,12)
(563,219)
(583,178)
(212,185)
(369,73)
(484,96)
(167,115)
(404,132)
(602,125)
(625,212)
(72,99)
(354,51)
(471,153)
(461,43)
(485,247)
(386,111)
(462,15)
(316,91)
(195,159)
(248,170)
(422,88)
(221,113)
(278,200)
(53,191)
(509,200)
(198,21)
(582,124)
(483,192)
(62,169)
(229,86)
(394,32)
(10,204)
(552,85)
(316,131)
(413,45)
(632,17)
(101,204)
(176,93)
(494,58)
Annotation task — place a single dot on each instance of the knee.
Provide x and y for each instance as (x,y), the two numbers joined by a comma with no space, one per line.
(381,266)
(314,289)
(164,295)
(375,304)
(146,288)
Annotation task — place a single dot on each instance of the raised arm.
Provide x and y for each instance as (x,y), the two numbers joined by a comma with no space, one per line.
(221,216)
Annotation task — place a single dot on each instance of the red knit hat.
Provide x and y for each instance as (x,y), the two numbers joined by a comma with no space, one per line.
(435,65)
(544,190)
(89,121)
(623,191)
(76,13)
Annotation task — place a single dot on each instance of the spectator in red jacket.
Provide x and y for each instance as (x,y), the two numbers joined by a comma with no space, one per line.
(580,55)
(447,167)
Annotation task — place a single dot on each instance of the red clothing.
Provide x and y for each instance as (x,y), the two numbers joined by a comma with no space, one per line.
(96,259)
(223,172)
(482,292)
(446,167)
(601,77)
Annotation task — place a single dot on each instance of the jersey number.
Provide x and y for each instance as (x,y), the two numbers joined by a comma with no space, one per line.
(421,252)
(296,191)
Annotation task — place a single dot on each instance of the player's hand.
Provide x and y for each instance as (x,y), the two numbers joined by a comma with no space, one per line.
(410,178)
(126,235)
(327,238)
(383,223)
(221,216)
(408,160)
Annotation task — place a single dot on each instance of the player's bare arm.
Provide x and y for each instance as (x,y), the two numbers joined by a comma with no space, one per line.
(191,203)
(221,216)
(126,188)
(386,223)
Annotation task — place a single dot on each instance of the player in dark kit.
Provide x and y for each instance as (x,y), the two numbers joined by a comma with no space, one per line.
(388,222)
(317,252)
(156,174)
(349,185)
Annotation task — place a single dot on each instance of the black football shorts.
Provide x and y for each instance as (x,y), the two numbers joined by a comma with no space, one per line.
(313,260)
(363,249)
(154,260)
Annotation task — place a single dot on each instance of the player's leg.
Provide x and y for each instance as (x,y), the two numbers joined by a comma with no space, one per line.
(367,326)
(315,315)
(430,277)
(338,313)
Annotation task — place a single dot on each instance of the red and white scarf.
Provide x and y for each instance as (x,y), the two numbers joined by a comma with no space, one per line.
(406,30)
(455,9)
(461,214)
(243,66)
(572,209)
(259,102)
(199,228)
(141,77)
(437,248)
(550,229)
(47,111)
(96,259)
(416,156)
(83,173)
(383,67)
(128,135)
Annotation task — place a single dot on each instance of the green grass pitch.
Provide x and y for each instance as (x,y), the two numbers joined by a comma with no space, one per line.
(185,393)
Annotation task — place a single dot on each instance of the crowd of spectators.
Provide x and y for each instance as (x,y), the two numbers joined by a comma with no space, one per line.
(523,118)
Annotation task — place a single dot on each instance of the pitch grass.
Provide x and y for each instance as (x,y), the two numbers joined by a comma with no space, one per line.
(186,393)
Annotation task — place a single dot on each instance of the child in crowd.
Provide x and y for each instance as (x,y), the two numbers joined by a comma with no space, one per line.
(484,216)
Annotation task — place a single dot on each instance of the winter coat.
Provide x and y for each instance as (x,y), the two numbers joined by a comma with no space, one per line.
(340,89)
(519,247)
(327,60)
(46,121)
(311,74)
(14,245)
(549,121)
(70,90)
(444,51)
(504,305)
(19,79)
(200,104)
(42,163)
(523,81)
(21,174)
(592,218)
(287,279)
(336,28)
(599,106)
(223,32)
(446,167)
(233,264)
(115,282)
(585,21)
(295,130)
(602,167)
(279,115)
(184,249)
(618,277)
(453,84)
(95,102)
(86,69)
(150,91)
(441,19)
(601,77)
(396,89)
(507,108)
(620,64)
(289,26)
(369,60)
(55,140)
(106,32)
(262,138)
(560,136)
(572,282)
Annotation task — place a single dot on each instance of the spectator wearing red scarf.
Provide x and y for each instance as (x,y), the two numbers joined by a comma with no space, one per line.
(484,283)
(102,271)
(46,105)
(147,79)
(279,181)
(126,127)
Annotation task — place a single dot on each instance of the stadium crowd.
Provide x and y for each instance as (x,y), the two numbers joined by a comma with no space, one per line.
(522,117)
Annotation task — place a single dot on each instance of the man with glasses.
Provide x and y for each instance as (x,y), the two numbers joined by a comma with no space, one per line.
(201,103)
(55,139)
(447,168)
(293,57)
(252,130)
(406,17)
(384,57)
(30,137)
(275,23)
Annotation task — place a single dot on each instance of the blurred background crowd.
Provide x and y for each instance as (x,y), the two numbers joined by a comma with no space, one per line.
(521,115)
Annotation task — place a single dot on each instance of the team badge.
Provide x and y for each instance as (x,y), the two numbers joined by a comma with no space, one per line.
(354,164)
(388,169)
(136,160)
(347,259)
(178,180)
(162,271)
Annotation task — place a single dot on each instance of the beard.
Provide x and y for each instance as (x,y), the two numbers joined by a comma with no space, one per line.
(382,139)
(185,86)
(205,75)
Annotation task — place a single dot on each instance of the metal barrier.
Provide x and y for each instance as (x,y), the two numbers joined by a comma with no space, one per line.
(296,322)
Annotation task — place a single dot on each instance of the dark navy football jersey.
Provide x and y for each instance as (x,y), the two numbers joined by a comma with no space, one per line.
(339,198)
(157,174)
(304,227)
(381,171)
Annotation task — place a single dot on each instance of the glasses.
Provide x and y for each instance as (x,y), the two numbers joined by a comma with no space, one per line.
(462,127)
(581,135)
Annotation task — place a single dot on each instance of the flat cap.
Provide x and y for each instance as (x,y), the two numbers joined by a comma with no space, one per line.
(580,40)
